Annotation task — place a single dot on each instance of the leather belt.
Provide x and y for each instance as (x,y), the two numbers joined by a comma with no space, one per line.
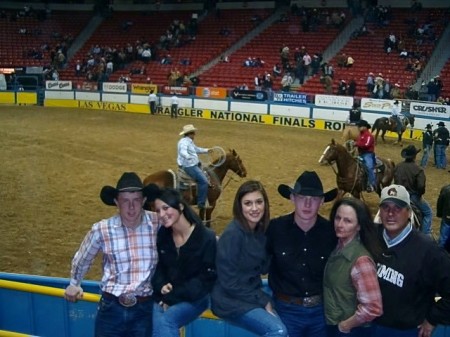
(310,301)
(127,300)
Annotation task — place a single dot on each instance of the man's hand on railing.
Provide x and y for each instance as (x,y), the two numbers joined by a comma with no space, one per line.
(73,293)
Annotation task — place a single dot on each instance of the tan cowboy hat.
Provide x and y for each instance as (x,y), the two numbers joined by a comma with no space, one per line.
(188,129)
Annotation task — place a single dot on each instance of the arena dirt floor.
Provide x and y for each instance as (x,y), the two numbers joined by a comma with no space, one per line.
(54,161)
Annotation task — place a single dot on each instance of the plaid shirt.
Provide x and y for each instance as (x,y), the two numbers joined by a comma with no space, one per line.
(129,255)
(365,281)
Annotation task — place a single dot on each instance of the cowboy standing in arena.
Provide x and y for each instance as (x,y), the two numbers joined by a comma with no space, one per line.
(188,160)
(412,177)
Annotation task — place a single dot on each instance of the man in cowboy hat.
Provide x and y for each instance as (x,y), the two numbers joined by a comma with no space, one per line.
(299,244)
(128,243)
(366,149)
(441,140)
(188,160)
(412,269)
(396,114)
(412,177)
(427,144)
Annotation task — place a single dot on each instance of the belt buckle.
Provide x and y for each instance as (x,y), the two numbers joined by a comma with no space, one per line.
(310,301)
(128,300)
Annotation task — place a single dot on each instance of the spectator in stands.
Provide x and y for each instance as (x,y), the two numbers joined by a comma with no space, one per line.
(370,83)
(349,62)
(327,69)
(341,60)
(387,89)
(78,68)
(395,92)
(315,64)
(342,88)
(276,70)
(328,84)
(286,82)
(238,296)
(351,90)
(185,273)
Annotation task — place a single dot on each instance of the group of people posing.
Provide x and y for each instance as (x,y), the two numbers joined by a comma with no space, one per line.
(345,276)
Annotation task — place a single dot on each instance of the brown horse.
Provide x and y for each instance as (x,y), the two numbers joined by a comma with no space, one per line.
(351,176)
(350,132)
(216,175)
(385,124)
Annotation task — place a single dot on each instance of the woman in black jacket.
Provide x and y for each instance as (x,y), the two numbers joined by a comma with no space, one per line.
(185,273)
(238,296)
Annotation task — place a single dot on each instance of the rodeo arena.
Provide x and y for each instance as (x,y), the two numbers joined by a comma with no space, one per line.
(100,101)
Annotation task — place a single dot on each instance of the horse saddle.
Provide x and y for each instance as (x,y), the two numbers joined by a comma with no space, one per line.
(379,165)
(185,181)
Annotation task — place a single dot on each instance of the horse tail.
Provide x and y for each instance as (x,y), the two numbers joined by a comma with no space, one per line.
(175,178)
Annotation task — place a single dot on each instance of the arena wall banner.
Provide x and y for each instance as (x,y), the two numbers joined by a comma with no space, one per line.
(168,90)
(211,92)
(381,105)
(143,88)
(290,97)
(58,85)
(331,101)
(114,87)
(430,110)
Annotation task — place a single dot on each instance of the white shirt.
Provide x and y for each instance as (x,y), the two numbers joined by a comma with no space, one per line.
(174,100)
(187,152)
(396,110)
(152,97)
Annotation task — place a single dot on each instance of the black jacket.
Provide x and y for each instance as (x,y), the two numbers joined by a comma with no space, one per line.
(191,271)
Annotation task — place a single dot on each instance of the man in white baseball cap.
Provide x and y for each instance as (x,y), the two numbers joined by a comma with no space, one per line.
(411,270)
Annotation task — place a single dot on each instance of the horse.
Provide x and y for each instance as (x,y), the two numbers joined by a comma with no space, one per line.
(350,132)
(385,124)
(351,176)
(216,172)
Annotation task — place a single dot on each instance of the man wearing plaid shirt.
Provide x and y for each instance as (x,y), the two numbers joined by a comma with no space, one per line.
(128,243)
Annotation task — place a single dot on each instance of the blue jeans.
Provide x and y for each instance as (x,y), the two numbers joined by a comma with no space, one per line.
(444,233)
(167,323)
(202,183)
(382,331)
(302,321)
(333,331)
(399,123)
(427,213)
(369,161)
(441,160)
(114,320)
(425,155)
(260,322)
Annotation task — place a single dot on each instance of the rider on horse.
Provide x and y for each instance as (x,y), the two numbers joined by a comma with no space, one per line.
(189,162)
(366,148)
(396,115)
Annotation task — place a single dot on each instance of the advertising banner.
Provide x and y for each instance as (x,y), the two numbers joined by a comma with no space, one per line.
(331,101)
(114,87)
(58,85)
(211,92)
(143,88)
(430,110)
(250,95)
(382,105)
(175,90)
(289,97)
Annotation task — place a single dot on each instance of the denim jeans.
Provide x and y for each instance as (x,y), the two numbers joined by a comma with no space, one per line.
(427,213)
(167,323)
(202,183)
(425,155)
(114,320)
(382,331)
(444,233)
(369,161)
(302,321)
(260,322)
(441,160)
(399,123)
(333,331)
(174,111)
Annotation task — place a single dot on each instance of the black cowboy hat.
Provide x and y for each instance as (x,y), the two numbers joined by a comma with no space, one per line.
(441,124)
(308,183)
(128,182)
(364,123)
(409,152)
(428,126)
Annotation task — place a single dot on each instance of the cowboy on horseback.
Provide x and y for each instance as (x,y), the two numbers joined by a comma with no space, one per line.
(366,149)
(188,161)
(396,116)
